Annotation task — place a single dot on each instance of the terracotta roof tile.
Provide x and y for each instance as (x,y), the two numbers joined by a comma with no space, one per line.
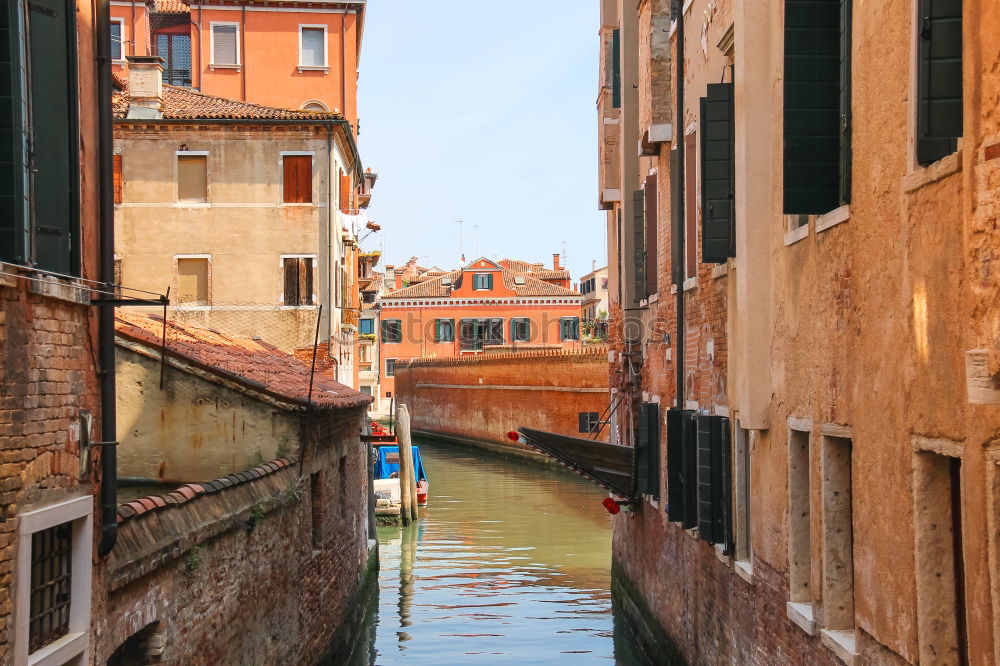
(186,104)
(170,7)
(375,285)
(254,363)
(437,289)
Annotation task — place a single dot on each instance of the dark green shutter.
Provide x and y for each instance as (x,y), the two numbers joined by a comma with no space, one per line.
(676,217)
(649,429)
(14,240)
(639,249)
(650,244)
(675,466)
(706,522)
(54,135)
(939,106)
(584,421)
(496,331)
(719,477)
(844,189)
(812,106)
(727,538)
(689,427)
(616,69)
(718,241)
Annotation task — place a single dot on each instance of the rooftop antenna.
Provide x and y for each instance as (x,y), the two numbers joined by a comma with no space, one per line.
(565,254)
(476,227)
(461,245)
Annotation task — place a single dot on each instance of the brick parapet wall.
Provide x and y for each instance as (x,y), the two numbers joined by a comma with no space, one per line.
(482,398)
(254,572)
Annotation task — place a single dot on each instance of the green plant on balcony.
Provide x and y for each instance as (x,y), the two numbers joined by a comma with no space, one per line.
(368,337)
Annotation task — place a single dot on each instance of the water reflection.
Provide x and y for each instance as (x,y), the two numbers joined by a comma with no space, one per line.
(509,564)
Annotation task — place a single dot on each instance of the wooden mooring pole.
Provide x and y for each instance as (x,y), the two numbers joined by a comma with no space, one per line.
(407,489)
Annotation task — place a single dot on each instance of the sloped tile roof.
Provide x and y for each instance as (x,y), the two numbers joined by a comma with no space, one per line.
(251,362)
(535,269)
(170,7)
(376,284)
(436,288)
(186,104)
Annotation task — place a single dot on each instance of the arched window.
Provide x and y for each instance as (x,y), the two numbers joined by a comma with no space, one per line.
(315,106)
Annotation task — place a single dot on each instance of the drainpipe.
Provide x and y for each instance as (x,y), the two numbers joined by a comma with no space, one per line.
(106,313)
(680,224)
(197,25)
(243,52)
(329,239)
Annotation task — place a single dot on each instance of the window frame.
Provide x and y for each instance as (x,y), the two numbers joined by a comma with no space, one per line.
(383,326)
(438,338)
(475,281)
(74,644)
(208,281)
(312,176)
(326,47)
(211,46)
(362,322)
(388,372)
(514,328)
(562,332)
(177,174)
(120,60)
(314,296)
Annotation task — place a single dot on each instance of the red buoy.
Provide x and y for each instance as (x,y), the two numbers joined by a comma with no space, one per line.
(611,506)
(513,436)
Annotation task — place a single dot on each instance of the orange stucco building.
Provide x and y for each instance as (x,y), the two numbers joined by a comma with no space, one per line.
(480,307)
(296,55)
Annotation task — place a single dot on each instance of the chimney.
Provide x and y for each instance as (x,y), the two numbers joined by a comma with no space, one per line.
(593,265)
(555,261)
(145,87)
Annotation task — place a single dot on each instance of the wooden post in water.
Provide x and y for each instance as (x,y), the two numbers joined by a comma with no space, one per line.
(408,489)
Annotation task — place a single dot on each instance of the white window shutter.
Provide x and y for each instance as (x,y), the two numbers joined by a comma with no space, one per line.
(313,47)
(224,45)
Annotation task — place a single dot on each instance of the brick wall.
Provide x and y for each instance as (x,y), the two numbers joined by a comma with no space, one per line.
(47,377)
(518,394)
(253,573)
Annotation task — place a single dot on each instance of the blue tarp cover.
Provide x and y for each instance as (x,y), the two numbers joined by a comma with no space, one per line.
(383,468)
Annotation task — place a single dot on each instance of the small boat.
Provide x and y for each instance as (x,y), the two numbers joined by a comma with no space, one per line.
(387,466)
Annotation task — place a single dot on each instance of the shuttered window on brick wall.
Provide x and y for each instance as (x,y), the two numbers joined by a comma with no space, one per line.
(345,193)
(718,238)
(639,241)
(569,328)
(647,450)
(588,422)
(939,79)
(392,330)
(444,330)
(298,281)
(714,480)
(650,214)
(119,184)
(682,468)
(297,178)
(616,71)
(225,43)
(817,106)
(520,329)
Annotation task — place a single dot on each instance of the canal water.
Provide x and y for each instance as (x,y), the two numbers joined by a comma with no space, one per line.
(510,564)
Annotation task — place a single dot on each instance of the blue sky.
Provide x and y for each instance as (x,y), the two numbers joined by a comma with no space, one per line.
(482,112)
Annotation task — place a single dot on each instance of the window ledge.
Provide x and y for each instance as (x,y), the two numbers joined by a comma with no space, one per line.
(285,204)
(833,218)
(690,283)
(297,307)
(841,643)
(720,270)
(214,66)
(801,614)
(60,651)
(744,570)
(935,171)
(795,235)
(720,552)
(201,204)
(120,63)
(191,308)
(673,289)
(314,68)
(654,298)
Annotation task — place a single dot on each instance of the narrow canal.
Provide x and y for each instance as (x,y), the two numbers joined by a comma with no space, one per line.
(510,564)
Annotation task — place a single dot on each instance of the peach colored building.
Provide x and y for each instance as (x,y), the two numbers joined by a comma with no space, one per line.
(291,55)
(481,306)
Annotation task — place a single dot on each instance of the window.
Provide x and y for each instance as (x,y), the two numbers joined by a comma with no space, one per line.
(39,195)
(616,71)
(53,580)
(298,283)
(476,333)
(176,53)
(367,326)
(838,543)
(637,274)
(444,330)
(225,44)
(649,242)
(520,329)
(569,328)
(392,330)
(366,389)
(588,421)
(345,193)
(312,46)
(713,480)
(297,178)
(118,39)
(364,354)
(390,369)
(119,184)
(817,106)
(741,489)
(941,609)
(192,178)
(690,205)
(192,281)
(799,534)
(647,450)
(315,107)
(939,79)
(481,281)
(718,158)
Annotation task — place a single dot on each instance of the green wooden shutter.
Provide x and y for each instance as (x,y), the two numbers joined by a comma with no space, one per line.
(719,479)
(811,106)
(939,106)
(616,71)
(675,466)
(642,453)
(727,537)
(689,428)
(14,239)
(718,241)
(676,217)
(639,251)
(706,522)
(649,419)
(54,134)
(650,205)
(844,189)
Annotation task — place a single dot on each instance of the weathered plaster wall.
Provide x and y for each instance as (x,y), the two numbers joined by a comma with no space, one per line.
(261,572)
(192,429)
(485,397)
